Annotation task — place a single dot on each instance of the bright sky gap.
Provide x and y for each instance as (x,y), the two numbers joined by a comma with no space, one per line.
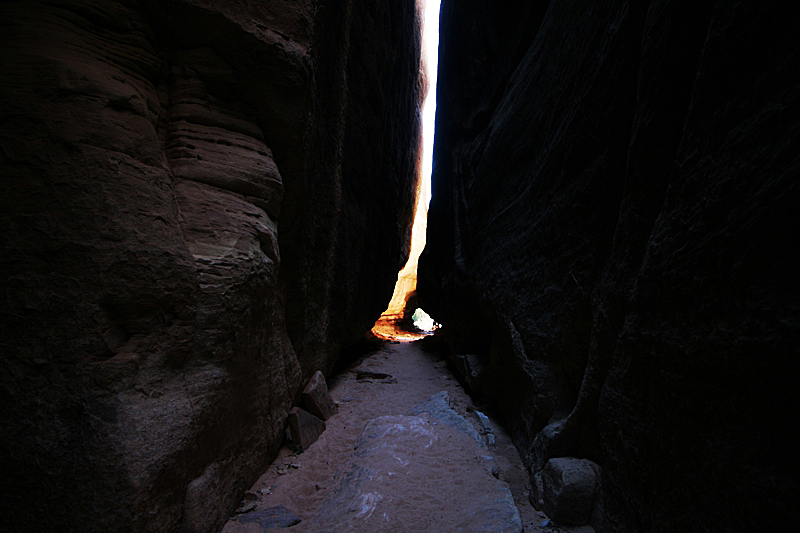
(407,278)
(430,43)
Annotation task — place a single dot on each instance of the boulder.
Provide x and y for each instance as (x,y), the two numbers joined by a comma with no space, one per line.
(317,399)
(304,428)
(565,490)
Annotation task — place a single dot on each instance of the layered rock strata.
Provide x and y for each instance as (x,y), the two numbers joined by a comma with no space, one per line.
(176,176)
(610,244)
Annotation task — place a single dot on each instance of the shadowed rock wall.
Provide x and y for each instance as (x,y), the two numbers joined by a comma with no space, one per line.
(365,123)
(177,179)
(612,235)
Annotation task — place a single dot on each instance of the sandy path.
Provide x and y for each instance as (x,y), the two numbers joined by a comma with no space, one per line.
(302,482)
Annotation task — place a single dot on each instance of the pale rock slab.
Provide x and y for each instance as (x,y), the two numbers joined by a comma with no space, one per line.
(411,472)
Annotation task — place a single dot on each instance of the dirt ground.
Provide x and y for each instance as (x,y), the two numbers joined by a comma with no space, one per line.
(302,482)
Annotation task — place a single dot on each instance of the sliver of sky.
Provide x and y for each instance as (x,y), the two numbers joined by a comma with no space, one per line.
(430,40)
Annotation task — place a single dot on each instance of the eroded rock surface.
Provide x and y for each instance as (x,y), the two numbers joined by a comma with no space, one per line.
(175,175)
(400,479)
(609,247)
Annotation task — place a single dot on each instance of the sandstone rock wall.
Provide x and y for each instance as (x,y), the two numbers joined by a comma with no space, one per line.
(360,175)
(612,233)
(176,181)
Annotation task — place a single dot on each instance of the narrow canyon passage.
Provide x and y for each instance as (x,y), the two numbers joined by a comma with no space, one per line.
(204,204)
(435,489)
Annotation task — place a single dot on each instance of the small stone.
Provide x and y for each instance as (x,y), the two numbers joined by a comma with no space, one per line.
(246,507)
(486,429)
(304,427)
(492,465)
(272,518)
(368,374)
(316,398)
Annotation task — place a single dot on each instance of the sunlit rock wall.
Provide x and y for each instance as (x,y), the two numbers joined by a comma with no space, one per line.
(396,321)
(612,233)
(174,176)
(360,175)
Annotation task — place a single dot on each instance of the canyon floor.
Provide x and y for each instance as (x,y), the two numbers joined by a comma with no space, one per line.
(378,468)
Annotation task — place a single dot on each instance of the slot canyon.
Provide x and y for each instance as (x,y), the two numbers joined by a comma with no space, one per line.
(206,205)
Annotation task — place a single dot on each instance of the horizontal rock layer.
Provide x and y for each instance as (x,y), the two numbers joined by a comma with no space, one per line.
(174,177)
(610,244)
